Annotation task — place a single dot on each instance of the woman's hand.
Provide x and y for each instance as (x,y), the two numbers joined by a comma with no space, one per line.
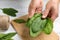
(35,6)
(51,9)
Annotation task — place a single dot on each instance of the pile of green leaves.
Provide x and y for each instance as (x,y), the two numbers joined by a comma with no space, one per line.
(10,11)
(37,25)
(7,36)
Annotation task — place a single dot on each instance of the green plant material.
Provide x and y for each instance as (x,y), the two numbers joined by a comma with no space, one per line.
(49,26)
(1,35)
(32,34)
(19,21)
(7,39)
(7,36)
(27,23)
(10,11)
(37,25)
(30,20)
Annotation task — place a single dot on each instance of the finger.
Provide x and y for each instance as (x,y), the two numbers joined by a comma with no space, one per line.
(46,11)
(54,15)
(31,11)
(39,9)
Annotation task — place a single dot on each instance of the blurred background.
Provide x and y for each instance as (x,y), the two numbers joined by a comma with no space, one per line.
(22,7)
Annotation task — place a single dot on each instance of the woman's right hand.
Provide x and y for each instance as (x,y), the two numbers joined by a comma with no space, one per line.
(35,6)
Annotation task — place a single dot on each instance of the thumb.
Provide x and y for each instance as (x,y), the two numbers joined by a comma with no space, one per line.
(46,11)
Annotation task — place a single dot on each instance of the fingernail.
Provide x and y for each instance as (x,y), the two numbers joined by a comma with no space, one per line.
(43,16)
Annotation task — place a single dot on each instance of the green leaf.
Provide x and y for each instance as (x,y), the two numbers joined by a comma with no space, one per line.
(32,34)
(49,26)
(9,35)
(2,35)
(19,21)
(37,25)
(30,20)
(27,23)
(7,39)
(10,11)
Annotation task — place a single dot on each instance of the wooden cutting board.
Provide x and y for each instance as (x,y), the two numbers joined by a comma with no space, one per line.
(23,31)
